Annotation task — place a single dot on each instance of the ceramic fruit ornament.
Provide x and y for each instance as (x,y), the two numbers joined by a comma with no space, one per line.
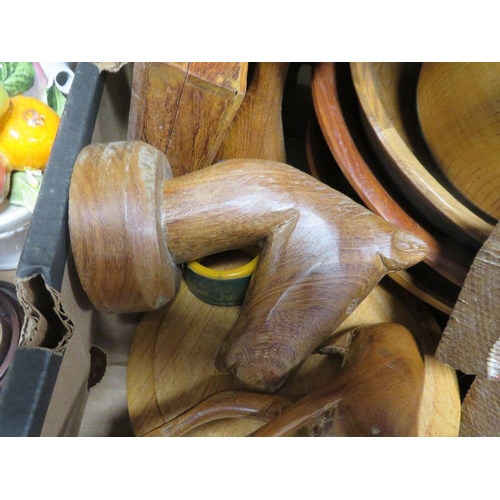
(27,131)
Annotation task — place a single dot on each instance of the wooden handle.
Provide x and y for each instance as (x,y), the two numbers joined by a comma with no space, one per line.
(377,392)
(257,129)
(321,253)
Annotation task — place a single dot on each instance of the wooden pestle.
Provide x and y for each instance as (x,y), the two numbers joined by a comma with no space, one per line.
(377,392)
(131,224)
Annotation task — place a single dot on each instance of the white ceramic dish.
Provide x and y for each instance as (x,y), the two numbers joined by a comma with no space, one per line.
(14,223)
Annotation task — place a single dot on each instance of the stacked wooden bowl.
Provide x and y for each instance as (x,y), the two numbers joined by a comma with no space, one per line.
(369,116)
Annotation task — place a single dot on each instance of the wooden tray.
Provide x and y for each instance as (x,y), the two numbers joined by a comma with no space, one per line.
(171,365)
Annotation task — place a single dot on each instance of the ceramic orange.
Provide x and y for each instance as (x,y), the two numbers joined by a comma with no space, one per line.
(27,132)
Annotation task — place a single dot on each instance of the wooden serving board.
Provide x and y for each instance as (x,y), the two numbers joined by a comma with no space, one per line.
(171,363)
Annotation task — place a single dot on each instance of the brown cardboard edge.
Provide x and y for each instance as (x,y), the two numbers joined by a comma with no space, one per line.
(28,396)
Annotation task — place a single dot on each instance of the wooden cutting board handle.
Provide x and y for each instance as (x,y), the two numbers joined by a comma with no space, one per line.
(322,253)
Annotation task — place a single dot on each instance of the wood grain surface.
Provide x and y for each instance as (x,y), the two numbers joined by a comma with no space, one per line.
(421,280)
(257,129)
(377,391)
(471,341)
(451,261)
(315,242)
(378,86)
(185,109)
(458,108)
(171,363)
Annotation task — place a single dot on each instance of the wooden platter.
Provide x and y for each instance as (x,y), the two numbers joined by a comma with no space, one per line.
(171,363)
(395,133)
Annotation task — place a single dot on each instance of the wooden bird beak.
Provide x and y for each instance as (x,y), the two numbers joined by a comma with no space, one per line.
(132,224)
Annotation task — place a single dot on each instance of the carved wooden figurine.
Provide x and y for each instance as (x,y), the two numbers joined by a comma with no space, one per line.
(131,226)
(377,392)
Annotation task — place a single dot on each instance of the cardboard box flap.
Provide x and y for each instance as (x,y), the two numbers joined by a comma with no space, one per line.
(28,386)
(41,266)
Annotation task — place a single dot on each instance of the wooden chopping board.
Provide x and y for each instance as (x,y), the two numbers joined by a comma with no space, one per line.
(171,362)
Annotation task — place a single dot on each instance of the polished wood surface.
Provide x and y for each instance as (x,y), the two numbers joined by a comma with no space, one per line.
(458,108)
(378,86)
(171,367)
(451,261)
(315,241)
(377,392)
(257,129)
(185,109)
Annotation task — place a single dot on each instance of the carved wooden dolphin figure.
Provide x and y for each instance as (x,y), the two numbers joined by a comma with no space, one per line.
(377,392)
(132,224)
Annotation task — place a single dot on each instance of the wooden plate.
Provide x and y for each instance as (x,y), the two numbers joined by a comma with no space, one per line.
(387,94)
(337,111)
(171,363)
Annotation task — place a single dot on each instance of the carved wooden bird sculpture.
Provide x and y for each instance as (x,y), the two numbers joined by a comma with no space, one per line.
(132,224)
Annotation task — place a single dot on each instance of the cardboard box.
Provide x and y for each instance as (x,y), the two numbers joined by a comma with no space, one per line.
(45,390)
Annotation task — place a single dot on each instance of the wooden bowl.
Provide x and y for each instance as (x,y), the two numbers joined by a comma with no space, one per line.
(338,115)
(458,107)
(421,280)
(386,93)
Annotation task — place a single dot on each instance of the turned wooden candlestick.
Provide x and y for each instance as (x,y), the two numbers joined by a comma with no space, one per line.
(132,224)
